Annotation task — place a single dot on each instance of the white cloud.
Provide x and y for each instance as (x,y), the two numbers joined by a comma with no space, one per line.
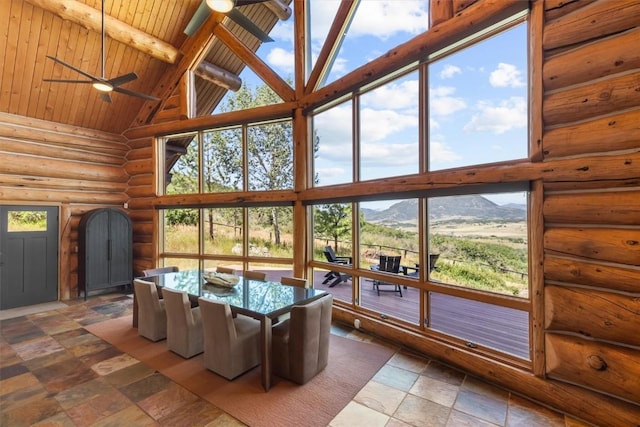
(384,18)
(390,154)
(442,103)
(449,71)
(281,59)
(393,96)
(506,75)
(376,125)
(508,114)
(440,152)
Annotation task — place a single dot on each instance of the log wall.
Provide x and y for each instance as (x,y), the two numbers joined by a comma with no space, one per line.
(591,104)
(45,163)
(141,190)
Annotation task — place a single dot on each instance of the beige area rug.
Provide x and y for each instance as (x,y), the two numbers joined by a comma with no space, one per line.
(351,365)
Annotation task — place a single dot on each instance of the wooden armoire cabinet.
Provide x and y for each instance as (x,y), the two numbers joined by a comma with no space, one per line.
(105,256)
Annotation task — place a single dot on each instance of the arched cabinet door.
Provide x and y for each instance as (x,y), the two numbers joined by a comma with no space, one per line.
(104,250)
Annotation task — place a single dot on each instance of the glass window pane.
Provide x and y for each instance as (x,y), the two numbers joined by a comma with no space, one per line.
(20,221)
(183,264)
(500,328)
(272,271)
(223,231)
(333,145)
(181,165)
(481,241)
(478,103)
(389,302)
(181,230)
(270,156)
(271,232)
(389,130)
(390,227)
(222,165)
(332,226)
(377,27)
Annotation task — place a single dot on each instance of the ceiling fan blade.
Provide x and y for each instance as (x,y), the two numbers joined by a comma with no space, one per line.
(105,96)
(138,94)
(67,81)
(201,15)
(248,2)
(126,78)
(248,25)
(77,70)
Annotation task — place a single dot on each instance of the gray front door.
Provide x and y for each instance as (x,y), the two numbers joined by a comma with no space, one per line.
(28,255)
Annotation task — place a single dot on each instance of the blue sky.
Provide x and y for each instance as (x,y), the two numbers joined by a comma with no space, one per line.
(477,97)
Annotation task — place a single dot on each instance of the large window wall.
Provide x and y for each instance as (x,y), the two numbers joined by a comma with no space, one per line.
(251,157)
(464,248)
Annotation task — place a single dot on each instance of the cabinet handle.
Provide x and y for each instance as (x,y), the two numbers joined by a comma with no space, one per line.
(109,249)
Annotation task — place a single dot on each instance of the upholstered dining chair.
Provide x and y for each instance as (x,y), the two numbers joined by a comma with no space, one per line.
(152,317)
(184,324)
(300,344)
(231,345)
(226,270)
(160,270)
(254,275)
(295,281)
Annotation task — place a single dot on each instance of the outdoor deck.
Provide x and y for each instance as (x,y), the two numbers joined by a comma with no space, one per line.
(500,328)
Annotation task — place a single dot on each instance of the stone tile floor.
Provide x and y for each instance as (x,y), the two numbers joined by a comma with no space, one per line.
(53,372)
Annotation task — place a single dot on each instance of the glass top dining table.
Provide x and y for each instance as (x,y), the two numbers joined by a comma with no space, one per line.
(262,300)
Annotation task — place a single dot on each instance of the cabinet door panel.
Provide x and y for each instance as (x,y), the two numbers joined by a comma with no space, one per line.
(97,251)
(121,264)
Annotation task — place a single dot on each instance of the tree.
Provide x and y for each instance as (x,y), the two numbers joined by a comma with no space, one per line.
(333,220)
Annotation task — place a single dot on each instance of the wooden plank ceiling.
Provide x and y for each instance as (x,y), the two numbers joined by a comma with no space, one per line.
(34,29)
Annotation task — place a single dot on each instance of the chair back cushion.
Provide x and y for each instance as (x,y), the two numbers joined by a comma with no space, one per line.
(231,345)
(152,318)
(184,325)
(295,281)
(309,335)
(254,275)
(160,270)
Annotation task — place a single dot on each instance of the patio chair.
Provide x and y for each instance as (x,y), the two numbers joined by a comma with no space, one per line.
(335,277)
(300,345)
(388,264)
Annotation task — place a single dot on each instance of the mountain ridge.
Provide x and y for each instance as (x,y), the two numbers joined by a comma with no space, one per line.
(449,208)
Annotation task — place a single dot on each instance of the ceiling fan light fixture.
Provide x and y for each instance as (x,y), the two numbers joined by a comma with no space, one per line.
(222,6)
(103,87)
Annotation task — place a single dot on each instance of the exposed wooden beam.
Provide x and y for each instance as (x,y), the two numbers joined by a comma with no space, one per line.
(219,76)
(249,57)
(279,8)
(91,19)
(193,49)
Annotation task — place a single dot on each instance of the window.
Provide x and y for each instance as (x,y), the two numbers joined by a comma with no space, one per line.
(19,221)
(217,161)
(478,103)
(389,125)
(481,242)
(332,143)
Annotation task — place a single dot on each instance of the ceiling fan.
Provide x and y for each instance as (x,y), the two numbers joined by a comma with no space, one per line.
(101,83)
(229,8)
